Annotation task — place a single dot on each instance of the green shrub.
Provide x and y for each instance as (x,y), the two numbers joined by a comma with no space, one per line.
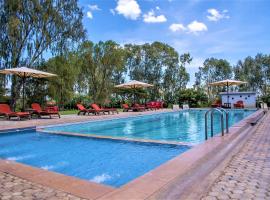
(194,98)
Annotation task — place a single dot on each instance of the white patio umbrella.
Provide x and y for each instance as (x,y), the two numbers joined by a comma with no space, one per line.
(227,83)
(25,72)
(134,85)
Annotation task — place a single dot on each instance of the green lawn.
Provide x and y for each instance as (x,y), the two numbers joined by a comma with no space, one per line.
(68,112)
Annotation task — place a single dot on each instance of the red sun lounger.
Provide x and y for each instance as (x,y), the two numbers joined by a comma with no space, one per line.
(126,107)
(47,112)
(6,111)
(99,110)
(239,104)
(83,110)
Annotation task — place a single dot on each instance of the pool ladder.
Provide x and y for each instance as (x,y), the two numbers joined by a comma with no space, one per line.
(221,112)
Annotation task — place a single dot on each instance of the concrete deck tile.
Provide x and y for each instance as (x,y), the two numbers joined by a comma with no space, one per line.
(246,176)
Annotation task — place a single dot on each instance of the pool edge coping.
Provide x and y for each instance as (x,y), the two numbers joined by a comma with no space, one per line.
(54,180)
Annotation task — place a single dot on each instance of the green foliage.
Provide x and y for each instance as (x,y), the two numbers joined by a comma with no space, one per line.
(213,70)
(256,71)
(145,63)
(102,66)
(30,28)
(5,99)
(35,91)
(195,98)
(158,64)
(176,78)
(266,99)
(130,95)
(61,88)
(2,86)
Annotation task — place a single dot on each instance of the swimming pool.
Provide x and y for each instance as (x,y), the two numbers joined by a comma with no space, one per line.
(102,161)
(183,126)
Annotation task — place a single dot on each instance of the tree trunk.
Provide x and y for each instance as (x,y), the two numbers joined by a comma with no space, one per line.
(15,92)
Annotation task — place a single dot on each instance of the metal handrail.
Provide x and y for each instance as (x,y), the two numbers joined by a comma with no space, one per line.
(227,118)
(206,123)
(220,111)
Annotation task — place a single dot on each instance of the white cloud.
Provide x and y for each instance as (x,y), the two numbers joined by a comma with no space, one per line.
(215,15)
(134,41)
(112,11)
(157,7)
(150,17)
(177,27)
(92,8)
(89,14)
(129,8)
(195,27)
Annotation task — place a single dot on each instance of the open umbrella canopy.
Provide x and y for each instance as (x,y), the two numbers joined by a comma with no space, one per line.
(134,84)
(27,72)
(227,82)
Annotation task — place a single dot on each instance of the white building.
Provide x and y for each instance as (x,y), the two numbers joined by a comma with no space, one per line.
(249,98)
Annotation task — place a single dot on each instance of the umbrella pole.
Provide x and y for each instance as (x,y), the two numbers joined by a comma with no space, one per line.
(23,82)
(228,93)
(134,95)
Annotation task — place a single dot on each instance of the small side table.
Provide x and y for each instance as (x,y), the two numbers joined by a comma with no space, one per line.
(31,111)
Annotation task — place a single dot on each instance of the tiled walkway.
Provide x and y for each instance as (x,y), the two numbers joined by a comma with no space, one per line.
(14,188)
(248,174)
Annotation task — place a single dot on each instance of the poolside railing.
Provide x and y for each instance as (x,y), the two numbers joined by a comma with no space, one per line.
(221,112)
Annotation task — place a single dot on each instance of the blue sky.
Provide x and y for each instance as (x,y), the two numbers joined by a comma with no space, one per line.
(228,29)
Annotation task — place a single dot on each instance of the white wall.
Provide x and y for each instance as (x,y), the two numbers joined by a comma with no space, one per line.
(249,98)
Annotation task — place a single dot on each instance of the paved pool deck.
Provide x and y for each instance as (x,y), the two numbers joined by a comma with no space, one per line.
(247,174)
(241,170)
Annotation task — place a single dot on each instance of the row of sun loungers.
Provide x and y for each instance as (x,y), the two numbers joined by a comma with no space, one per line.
(35,110)
(53,111)
(96,110)
(148,106)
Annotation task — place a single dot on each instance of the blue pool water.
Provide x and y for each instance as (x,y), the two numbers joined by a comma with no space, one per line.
(100,160)
(185,126)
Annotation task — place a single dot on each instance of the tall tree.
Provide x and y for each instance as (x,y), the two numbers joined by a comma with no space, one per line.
(145,63)
(214,70)
(256,71)
(175,76)
(158,64)
(32,27)
(102,66)
(62,88)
